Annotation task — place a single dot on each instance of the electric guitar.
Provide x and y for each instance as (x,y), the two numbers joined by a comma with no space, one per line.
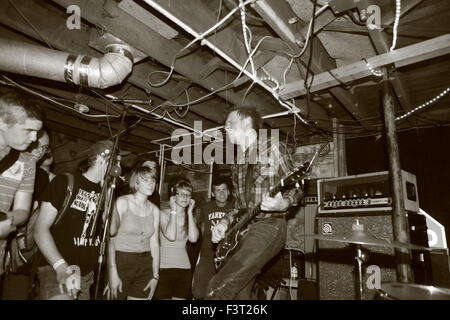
(237,228)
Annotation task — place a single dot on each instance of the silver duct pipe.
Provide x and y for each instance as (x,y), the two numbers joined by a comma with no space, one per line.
(31,60)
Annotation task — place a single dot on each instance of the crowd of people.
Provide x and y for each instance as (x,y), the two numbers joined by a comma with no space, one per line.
(147,254)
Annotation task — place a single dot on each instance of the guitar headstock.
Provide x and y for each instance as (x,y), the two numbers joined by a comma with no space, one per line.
(295,179)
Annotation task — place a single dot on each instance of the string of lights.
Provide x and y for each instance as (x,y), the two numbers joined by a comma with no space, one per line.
(398,7)
(377,73)
(423,105)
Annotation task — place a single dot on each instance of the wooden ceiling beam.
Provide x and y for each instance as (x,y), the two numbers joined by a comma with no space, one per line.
(54,29)
(150,42)
(418,52)
(200,18)
(277,14)
(382,45)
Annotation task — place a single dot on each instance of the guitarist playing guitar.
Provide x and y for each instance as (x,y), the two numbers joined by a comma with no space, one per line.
(252,180)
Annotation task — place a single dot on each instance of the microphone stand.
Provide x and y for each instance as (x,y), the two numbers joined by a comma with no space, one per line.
(109,194)
(108,215)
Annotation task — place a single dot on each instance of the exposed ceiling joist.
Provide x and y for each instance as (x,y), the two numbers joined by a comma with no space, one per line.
(275,12)
(61,37)
(425,50)
(123,25)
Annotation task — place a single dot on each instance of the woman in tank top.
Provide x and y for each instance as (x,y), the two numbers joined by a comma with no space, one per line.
(133,260)
(177,226)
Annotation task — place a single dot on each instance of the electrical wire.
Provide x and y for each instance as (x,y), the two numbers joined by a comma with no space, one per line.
(187,109)
(199,37)
(244,33)
(308,87)
(198,100)
(44,97)
(286,71)
(127,129)
(309,32)
(29,22)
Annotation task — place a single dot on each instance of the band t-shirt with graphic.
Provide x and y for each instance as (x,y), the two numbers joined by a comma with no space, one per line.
(72,234)
(211,214)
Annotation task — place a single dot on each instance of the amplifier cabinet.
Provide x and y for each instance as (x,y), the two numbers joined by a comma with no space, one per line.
(337,266)
(365,193)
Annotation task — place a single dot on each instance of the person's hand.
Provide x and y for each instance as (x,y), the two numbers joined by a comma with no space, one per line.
(277,203)
(69,280)
(6,228)
(114,285)
(218,232)
(152,285)
(173,204)
(191,205)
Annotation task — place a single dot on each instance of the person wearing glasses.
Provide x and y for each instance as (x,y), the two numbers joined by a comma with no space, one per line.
(177,226)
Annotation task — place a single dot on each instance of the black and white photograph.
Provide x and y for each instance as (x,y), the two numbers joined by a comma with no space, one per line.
(244,157)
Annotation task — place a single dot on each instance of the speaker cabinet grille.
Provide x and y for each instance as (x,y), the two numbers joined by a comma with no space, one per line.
(337,266)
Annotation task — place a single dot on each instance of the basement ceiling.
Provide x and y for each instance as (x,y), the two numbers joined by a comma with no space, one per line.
(172,84)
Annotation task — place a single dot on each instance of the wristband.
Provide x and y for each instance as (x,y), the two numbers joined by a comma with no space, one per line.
(156,278)
(173,212)
(58,263)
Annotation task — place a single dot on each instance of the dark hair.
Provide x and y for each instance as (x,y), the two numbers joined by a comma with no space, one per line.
(84,165)
(17,107)
(139,172)
(248,112)
(217,181)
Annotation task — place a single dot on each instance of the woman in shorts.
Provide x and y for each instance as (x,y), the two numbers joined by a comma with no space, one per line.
(133,260)
(177,226)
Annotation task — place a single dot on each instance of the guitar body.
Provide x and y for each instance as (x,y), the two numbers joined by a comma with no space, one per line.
(230,242)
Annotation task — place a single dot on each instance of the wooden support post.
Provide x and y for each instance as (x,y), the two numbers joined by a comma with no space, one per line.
(399,221)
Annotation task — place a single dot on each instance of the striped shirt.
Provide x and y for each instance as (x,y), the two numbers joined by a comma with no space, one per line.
(18,178)
(271,163)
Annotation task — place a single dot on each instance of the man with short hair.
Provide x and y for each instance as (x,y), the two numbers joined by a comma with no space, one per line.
(70,242)
(17,282)
(20,121)
(253,177)
(210,214)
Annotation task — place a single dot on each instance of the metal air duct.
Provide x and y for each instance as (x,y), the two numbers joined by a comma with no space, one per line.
(109,70)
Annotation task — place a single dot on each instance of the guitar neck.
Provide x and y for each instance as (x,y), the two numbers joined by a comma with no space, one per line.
(273,191)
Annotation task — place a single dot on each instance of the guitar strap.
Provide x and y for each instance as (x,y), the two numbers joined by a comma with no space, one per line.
(249,184)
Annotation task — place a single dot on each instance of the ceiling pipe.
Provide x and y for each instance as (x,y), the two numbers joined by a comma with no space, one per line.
(109,70)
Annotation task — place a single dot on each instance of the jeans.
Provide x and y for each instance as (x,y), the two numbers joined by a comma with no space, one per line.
(204,271)
(263,240)
(49,287)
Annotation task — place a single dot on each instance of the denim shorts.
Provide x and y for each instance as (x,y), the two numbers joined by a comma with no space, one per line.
(135,269)
(49,287)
